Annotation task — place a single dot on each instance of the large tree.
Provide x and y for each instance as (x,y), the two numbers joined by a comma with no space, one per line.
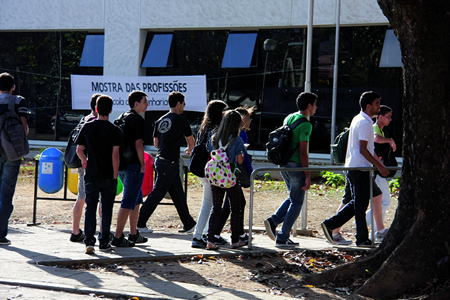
(410,254)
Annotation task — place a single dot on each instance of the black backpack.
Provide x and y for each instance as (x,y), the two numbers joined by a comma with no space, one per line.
(279,145)
(387,157)
(71,158)
(125,152)
(339,148)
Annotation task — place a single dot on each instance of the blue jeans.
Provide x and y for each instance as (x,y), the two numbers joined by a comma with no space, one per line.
(107,188)
(131,179)
(9,171)
(167,180)
(289,210)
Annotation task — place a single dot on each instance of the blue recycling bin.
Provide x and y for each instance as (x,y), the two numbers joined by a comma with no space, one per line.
(51,171)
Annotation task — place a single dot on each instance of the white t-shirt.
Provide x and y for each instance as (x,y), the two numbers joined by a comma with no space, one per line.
(361,128)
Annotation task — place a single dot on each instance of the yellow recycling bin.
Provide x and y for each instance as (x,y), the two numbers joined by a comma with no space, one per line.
(72,180)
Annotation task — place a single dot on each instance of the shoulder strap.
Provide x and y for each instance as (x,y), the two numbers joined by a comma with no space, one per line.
(298,122)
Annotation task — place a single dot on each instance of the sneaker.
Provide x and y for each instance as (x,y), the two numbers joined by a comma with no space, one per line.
(4,241)
(205,238)
(105,247)
(145,229)
(111,236)
(90,249)
(122,242)
(288,243)
(220,241)
(379,236)
(367,244)
(198,243)
(137,238)
(271,228)
(77,237)
(328,232)
(188,230)
(338,239)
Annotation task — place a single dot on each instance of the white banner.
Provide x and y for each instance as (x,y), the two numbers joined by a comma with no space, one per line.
(157,88)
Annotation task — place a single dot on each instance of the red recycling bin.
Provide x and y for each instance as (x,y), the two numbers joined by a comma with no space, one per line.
(147,184)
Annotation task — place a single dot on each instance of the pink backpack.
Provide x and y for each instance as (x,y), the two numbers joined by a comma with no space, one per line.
(218,170)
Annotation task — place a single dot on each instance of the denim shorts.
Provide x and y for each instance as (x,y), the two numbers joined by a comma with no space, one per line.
(131,179)
(81,190)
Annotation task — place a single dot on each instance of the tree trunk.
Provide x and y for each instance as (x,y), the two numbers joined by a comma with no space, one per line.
(410,253)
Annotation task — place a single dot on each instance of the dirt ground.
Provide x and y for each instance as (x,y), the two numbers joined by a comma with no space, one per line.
(277,275)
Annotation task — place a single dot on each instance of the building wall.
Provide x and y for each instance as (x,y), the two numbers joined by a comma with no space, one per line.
(125,23)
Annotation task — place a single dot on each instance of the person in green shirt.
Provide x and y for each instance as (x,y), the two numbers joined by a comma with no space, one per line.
(380,207)
(297,182)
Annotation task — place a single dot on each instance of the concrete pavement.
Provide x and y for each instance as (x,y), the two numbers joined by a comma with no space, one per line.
(30,259)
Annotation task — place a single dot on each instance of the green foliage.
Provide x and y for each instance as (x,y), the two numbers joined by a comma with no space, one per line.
(394,185)
(332,179)
(267,177)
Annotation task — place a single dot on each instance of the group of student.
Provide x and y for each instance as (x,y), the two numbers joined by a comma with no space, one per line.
(98,148)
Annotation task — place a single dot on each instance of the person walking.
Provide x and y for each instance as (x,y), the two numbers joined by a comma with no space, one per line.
(297,182)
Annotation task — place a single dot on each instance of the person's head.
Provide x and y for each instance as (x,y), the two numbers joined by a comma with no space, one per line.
(6,82)
(370,103)
(229,127)
(213,113)
(245,112)
(94,100)
(307,102)
(104,105)
(137,100)
(177,102)
(384,116)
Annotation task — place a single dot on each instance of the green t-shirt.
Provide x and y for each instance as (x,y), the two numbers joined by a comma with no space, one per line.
(300,134)
(377,130)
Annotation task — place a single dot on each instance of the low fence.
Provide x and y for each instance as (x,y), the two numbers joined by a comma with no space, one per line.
(303,214)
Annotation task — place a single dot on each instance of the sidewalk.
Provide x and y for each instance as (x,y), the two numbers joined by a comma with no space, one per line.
(34,249)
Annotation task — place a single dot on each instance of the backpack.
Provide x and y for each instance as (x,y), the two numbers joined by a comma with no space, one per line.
(387,157)
(125,152)
(339,148)
(218,170)
(279,145)
(71,158)
(13,137)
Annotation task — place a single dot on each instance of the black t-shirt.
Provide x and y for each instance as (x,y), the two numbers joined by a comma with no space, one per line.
(99,137)
(134,130)
(170,130)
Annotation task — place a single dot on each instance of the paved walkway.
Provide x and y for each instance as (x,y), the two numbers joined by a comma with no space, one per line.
(28,262)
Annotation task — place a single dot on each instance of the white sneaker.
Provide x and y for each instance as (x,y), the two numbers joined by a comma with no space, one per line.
(340,240)
(90,249)
(379,236)
(145,230)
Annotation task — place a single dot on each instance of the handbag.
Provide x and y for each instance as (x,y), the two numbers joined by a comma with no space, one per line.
(243,176)
(199,158)
(387,157)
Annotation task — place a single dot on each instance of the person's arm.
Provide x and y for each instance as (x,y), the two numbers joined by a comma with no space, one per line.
(304,159)
(191,143)
(81,155)
(25,124)
(240,158)
(115,160)
(139,144)
(376,162)
(384,140)
(155,142)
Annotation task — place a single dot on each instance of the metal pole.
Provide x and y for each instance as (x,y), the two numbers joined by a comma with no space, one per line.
(335,76)
(309,46)
(262,98)
(371,205)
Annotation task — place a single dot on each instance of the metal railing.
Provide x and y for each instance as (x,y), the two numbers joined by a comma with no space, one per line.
(304,210)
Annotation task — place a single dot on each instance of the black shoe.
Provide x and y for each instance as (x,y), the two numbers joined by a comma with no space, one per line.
(190,230)
(205,238)
(4,241)
(137,238)
(220,241)
(367,244)
(271,228)
(77,237)
(245,239)
(105,247)
(288,243)
(328,232)
(198,243)
(122,242)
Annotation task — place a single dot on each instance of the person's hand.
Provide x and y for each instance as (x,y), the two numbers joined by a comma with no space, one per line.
(84,163)
(383,171)
(187,151)
(143,168)
(393,145)
(307,184)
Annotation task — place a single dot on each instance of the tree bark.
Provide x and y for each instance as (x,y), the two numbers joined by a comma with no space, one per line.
(409,255)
